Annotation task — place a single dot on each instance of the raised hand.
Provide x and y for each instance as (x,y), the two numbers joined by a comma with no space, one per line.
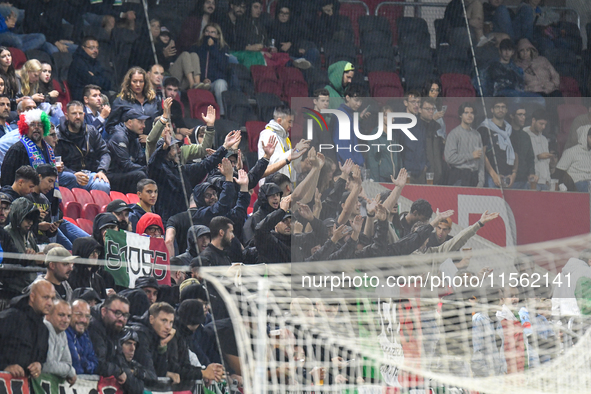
(226,169)
(317,198)
(439,216)
(232,139)
(209,119)
(346,168)
(487,217)
(269,149)
(321,159)
(285,203)
(312,157)
(400,181)
(381,213)
(166,107)
(357,223)
(305,211)
(239,163)
(242,179)
(356,174)
(372,205)
(338,233)
(300,148)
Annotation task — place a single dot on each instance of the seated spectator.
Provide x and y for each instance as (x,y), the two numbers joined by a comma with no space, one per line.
(13,136)
(86,275)
(502,157)
(340,75)
(149,285)
(454,17)
(104,330)
(59,359)
(28,77)
(525,19)
(59,266)
(253,38)
(193,25)
(86,69)
(32,149)
(8,72)
(24,42)
(212,48)
(96,111)
(540,150)
(198,237)
(538,73)
(50,105)
(576,160)
(135,373)
(25,180)
(151,225)
(46,18)
(128,163)
(5,202)
(24,216)
(87,294)
(581,120)
(163,43)
(23,335)
(156,75)
(500,16)
(84,153)
(147,191)
(292,38)
(4,115)
(83,358)
(230,22)
(190,318)
(187,70)
(222,234)
(503,78)
(47,175)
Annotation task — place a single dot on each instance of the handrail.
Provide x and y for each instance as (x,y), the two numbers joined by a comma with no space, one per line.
(340,1)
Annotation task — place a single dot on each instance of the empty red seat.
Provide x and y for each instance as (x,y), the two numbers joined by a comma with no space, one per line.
(199,100)
(89,208)
(353,9)
(100,197)
(82,196)
(294,84)
(265,80)
(133,198)
(385,84)
(69,206)
(73,221)
(118,196)
(64,96)
(253,129)
(89,211)
(457,85)
(18,57)
(85,225)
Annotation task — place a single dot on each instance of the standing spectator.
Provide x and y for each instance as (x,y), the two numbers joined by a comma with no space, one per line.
(147,191)
(86,69)
(213,52)
(268,200)
(581,120)
(500,160)
(441,234)
(95,111)
(84,153)
(518,115)
(538,73)
(84,275)
(222,233)
(576,161)
(128,161)
(150,224)
(59,359)
(434,144)
(540,151)
(5,202)
(524,151)
(171,90)
(59,266)
(83,358)
(340,75)
(320,136)
(414,155)
(194,24)
(23,336)
(198,237)
(345,150)
(433,89)
(230,22)
(420,211)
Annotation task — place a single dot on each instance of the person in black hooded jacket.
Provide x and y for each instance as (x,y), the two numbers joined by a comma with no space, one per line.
(135,372)
(268,201)
(85,275)
(198,237)
(103,222)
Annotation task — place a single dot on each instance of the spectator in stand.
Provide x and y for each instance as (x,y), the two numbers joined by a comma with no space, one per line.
(86,69)
(104,330)
(136,93)
(291,37)
(500,16)
(441,233)
(222,234)
(517,116)
(581,120)
(149,286)
(414,157)
(320,136)
(84,360)
(5,202)
(268,200)
(420,211)
(194,24)
(59,359)
(24,216)
(189,321)
(434,144)
(46,17)
(171,90)
(103,222)
(150,224)
(147,191)
(213,51)
(231,21)
(128,162)
(344,148)
(525,19)
(253,38)
(504,78)
(536,158)
(163,42)
(198,237)
(454,18)
(135,372)
(7,71)
(86,275)
(576,161)
(13,136)
(156,76)
(23,336)
(538,73)
(95,111)
(4,115)
(340,75)
(50,103)
(24,42)
(501,161)
(28,77)
(25,180)
(59,263)
(121,210)
(163,168)
(84,153)
(433,89)
(47,175)
(281,159)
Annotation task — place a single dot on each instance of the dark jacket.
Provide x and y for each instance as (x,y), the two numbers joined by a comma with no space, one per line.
(134,384)
(253,32)
(92,155)
(415,152)
(105,345)
(46,17)
(205,213)
(213,257)
(192,250)
(149,354)
(20,208)
(171,199)
(255,174)
(84,360)
(135,215)
(7,290)
(81,275)
(16,157)
(85,70)
(23,335)
(126,151)
(525,152)
(263,210)
(120,106)
(212,59)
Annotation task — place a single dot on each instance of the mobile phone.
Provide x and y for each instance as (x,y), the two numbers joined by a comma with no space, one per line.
(58,222)
(443,108)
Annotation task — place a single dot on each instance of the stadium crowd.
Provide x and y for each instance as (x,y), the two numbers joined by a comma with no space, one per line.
(194,184)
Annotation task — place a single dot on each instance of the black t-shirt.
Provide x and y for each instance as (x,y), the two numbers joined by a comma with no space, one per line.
(61,291)
(181,223)
(501,155)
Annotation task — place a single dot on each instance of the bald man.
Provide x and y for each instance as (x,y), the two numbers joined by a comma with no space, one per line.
(23,335)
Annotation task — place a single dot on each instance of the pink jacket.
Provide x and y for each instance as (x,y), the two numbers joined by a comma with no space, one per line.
(539,75)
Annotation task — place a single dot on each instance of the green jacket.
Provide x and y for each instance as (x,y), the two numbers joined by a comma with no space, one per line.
(335,87)
(188,152)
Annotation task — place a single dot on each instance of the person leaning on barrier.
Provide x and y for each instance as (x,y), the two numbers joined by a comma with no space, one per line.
(59,359)
(84,360)
(135,372)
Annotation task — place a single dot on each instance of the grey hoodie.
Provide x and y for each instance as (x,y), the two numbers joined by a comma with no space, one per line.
(59,359)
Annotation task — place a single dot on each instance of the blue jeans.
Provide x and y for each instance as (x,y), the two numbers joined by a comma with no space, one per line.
(523,24)
(502,21)
(68,179)
(520,185)
(67,233)
(582,186)
(24,42)
(219,86)
(53,49)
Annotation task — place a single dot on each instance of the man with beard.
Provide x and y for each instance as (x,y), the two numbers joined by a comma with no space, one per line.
(105,327)
(84,153)
(229,23)
(147,191)
(5,202)
(4,114)
(59,271)
(59,359)
(198,237)
(121,211)
(193,25)
(222,233)
(83,358)
(31,149)
(95,113)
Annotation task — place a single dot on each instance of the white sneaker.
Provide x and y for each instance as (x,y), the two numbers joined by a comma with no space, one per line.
(302,63)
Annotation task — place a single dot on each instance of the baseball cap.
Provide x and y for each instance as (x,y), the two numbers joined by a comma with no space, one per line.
(287,215)
(146,281)
(117,206)
(134,114)
(5,198)
(61,253)
(349,67)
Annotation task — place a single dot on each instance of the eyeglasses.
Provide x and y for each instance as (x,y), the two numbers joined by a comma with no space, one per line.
(36,125)
(429,109)
(154,230)
(119,314)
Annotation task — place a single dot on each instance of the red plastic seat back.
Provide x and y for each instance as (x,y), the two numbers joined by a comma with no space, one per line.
(199,100)
(100,197)
(457,85)
(85,225)
(118,196)
(133,198)
(18,57)
(82,196)
(253,129)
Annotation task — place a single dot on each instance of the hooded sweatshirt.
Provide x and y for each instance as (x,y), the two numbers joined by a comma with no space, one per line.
(149,219)
(20,208)
(576,161)
(335,88)
(281,150)
(266,190)
(539,75)
(84,275)
(192,249)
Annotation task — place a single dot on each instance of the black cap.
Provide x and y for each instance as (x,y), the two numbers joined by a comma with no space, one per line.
(193,292)
(330,222)
(287,215)
(134,114)
(87,294)
(129,334)
(146,281)
(105,219)
(117,206)
(191,312)
(5,198)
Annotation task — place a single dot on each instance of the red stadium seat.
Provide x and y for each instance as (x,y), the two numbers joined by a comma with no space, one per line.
(18,57)
(89,211)
(67,195)
(85,225)
(73,221)
(254,128)
(89,208)
(82,196)
(69,206)
(100,197)
(385,84)
(353,9)
(569,87)
(133,198)
(457,85)
(391,12)
(119,196)
(199,100)
(64,96)
(566,114)
(294,84)
(265,80)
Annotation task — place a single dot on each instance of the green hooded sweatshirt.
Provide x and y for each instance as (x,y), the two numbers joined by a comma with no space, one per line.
(335,88)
